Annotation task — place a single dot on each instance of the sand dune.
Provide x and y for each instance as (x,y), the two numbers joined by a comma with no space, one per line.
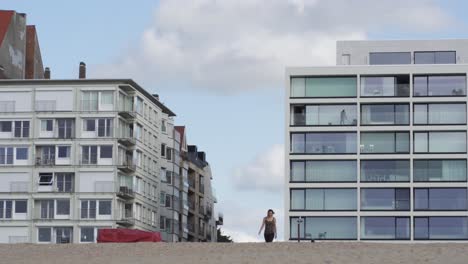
(284,253)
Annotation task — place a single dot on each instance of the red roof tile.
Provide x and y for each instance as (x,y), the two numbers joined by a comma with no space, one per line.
(5,20)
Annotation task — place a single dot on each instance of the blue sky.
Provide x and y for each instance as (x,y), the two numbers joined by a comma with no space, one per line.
(220,66)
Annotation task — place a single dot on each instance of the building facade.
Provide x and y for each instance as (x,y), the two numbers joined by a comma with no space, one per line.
(376,147)
(79,155)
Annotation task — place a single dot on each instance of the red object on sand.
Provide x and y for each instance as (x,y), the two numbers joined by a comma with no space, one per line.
(121,235)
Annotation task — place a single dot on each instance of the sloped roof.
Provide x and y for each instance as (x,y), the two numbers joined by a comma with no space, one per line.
(5,20)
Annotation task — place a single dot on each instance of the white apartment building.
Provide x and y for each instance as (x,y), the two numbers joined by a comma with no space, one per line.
(79,155)
(376,147)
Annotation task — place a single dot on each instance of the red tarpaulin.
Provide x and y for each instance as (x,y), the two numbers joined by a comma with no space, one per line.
(121,235)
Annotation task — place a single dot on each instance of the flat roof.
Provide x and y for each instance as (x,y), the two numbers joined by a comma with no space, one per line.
(130,82)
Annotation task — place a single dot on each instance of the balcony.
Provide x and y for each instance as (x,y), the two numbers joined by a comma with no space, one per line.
(126,137)
(125,218)
(126,108)
(126,192)
(41,161)
(127,166)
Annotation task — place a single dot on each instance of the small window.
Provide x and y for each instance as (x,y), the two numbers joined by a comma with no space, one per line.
(386,58)
(90,125)
(64,151)
(45,179)
(21,153)
(163,150)
(163,125)
(63,207)
(87,234)
(45,234)
(106,152)
(435,57)
(105,207)
(5,126)
(47,125)
(21,206)
(162,222)
(162,199)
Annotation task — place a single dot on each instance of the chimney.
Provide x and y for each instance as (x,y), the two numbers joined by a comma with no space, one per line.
(47,73)
(156,96)
(82,74)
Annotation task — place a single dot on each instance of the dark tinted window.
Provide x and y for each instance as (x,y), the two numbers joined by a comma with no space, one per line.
(435,57)
(382,58)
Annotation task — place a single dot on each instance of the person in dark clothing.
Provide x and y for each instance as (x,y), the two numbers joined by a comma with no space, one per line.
(269,222)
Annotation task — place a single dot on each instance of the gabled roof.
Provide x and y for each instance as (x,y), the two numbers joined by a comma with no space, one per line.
(5,20)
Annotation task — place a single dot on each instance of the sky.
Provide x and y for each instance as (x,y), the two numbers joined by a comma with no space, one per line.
(220,66)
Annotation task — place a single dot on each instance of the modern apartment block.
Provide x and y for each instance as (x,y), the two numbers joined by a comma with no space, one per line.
(376,147)
(79,155)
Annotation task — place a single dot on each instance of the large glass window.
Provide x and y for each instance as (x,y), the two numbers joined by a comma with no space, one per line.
(439,114)
(324,199)
(384,142)
(385,170)
(435,57)
(440,199)
(324,87)
(385,199)
(324,115)
(385,58)
(385,86)
(385,227)
(324,171)
(439,170)
(440,142)
(437,227)
(439,85)
(385,114)
(323,228)
(323,143)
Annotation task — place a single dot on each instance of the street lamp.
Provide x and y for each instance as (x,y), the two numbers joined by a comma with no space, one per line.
(299,222)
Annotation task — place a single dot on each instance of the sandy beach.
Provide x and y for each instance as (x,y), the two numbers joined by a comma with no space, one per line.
(328,253)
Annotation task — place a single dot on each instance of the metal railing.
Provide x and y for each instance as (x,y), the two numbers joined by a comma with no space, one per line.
(7,106)
(89,105)
(19,186)
(46,105)
(40,161)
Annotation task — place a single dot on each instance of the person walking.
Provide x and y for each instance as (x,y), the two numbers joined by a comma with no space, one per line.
(269,222)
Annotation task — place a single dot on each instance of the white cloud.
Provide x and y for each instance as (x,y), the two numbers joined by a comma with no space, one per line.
(233,45)
(264,172)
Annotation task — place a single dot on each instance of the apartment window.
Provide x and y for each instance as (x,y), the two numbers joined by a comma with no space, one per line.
(163,125)
(440,114)
(44,234)
(89,154)
(63,207)
(385,114)
(324,199)
(47,125)
(65,128)
(139,132)
(317,87)
(89,101)
(46,179)
(105,127)
(324,171)
(6,155)
(168,200)
(385,199)
(64,182)
(89,125)
(21,206)
(323,143)
(5,126)
(87,234)
(385,86)
(323,228)
(440,142)
(441,228)
(439,85)
(162,199)
(386,58)
(105,207)
(391,228)
(63,235)
(22,153)
(163,150)
(88,209)
(162,223)
(106,152)
(139,105)
(6,209)
(324,115)
(440,199)
(384,142)
(64,152)
(169,153)
(435,57)
(439,170)
(47,209)
(22,129)
(107,97)
(385,170)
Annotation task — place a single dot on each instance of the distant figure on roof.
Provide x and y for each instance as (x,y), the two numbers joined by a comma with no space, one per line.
(343,117)
(269,222)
